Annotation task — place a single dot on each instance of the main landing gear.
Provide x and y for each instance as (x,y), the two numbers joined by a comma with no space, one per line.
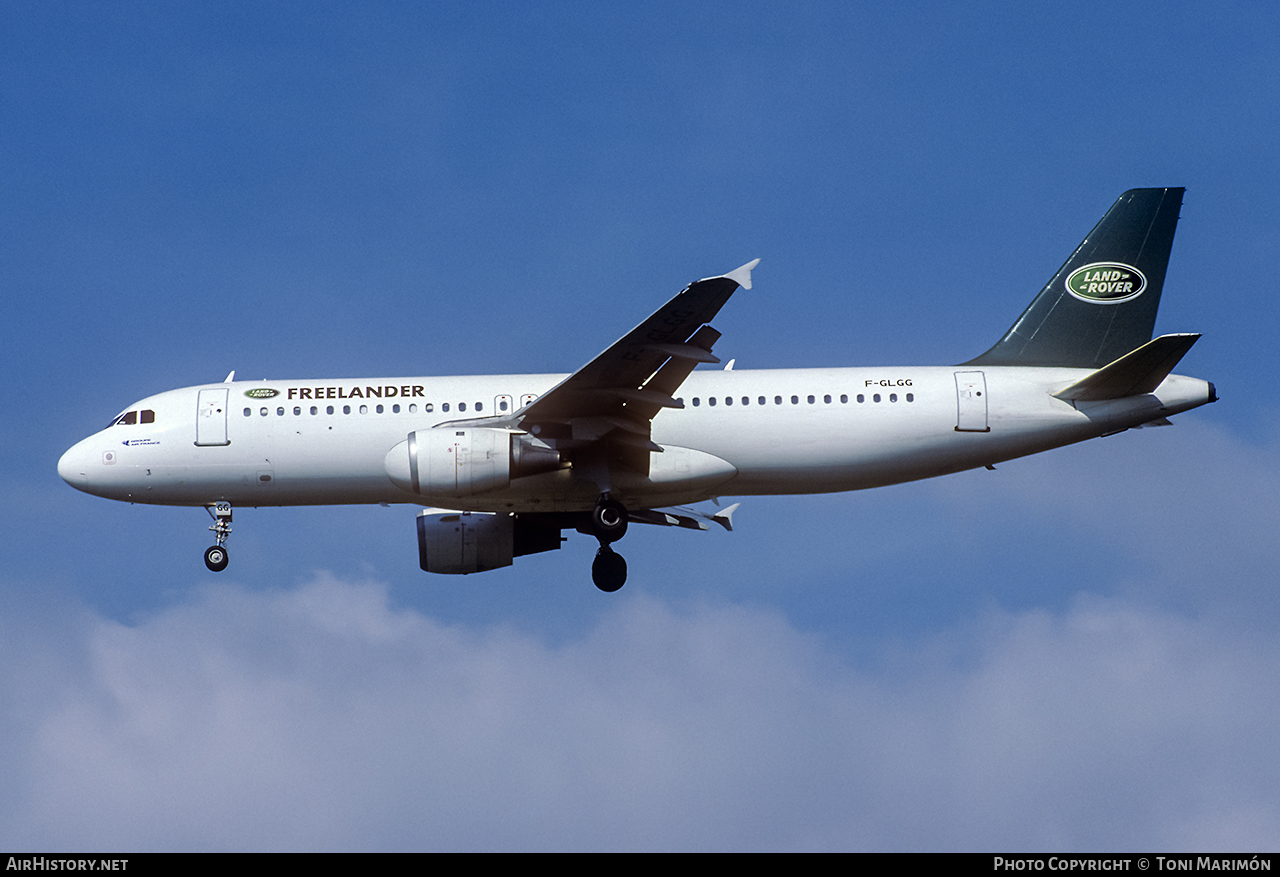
(216,556)
(608,524)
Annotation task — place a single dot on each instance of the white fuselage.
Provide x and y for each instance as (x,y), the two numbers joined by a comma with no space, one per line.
(740,433)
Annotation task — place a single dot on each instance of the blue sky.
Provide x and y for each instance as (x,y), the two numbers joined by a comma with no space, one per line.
(1074,652)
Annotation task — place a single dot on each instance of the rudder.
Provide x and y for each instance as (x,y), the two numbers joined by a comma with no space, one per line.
(1102,303)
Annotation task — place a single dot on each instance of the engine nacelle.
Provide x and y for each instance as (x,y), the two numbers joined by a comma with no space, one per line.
(458,543)
(464,461)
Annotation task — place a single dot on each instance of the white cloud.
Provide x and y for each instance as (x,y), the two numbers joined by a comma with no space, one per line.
(321,718)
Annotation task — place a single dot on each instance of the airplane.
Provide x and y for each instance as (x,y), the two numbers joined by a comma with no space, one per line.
(503,464)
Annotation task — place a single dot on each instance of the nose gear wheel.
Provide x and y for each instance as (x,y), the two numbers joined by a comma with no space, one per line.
(215,557)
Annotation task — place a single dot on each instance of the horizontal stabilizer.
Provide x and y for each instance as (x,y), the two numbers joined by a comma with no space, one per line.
(1137,372)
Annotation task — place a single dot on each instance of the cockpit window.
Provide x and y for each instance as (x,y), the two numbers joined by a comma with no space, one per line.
(131,418)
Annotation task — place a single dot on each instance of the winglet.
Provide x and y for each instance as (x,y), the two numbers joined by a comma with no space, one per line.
(742,276)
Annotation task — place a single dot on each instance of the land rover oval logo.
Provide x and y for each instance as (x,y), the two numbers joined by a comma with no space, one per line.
(261,393)
(1106,283)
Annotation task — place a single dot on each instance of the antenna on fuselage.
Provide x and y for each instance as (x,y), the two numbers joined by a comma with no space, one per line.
(230,377)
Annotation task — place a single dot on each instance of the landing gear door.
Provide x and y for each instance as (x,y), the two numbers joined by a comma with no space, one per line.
(971,402)
(211,417)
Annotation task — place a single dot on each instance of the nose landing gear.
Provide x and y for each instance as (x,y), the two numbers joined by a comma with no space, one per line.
(216,556)
(608,524)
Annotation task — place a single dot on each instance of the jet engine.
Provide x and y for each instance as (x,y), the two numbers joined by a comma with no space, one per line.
(449,461)
(467,542)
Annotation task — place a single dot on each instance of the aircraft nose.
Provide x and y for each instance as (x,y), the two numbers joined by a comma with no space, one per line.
(73,466)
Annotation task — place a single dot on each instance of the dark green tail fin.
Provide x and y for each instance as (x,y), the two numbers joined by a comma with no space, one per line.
(1102,303)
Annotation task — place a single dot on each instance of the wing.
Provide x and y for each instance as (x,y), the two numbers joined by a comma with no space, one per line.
(600,415)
